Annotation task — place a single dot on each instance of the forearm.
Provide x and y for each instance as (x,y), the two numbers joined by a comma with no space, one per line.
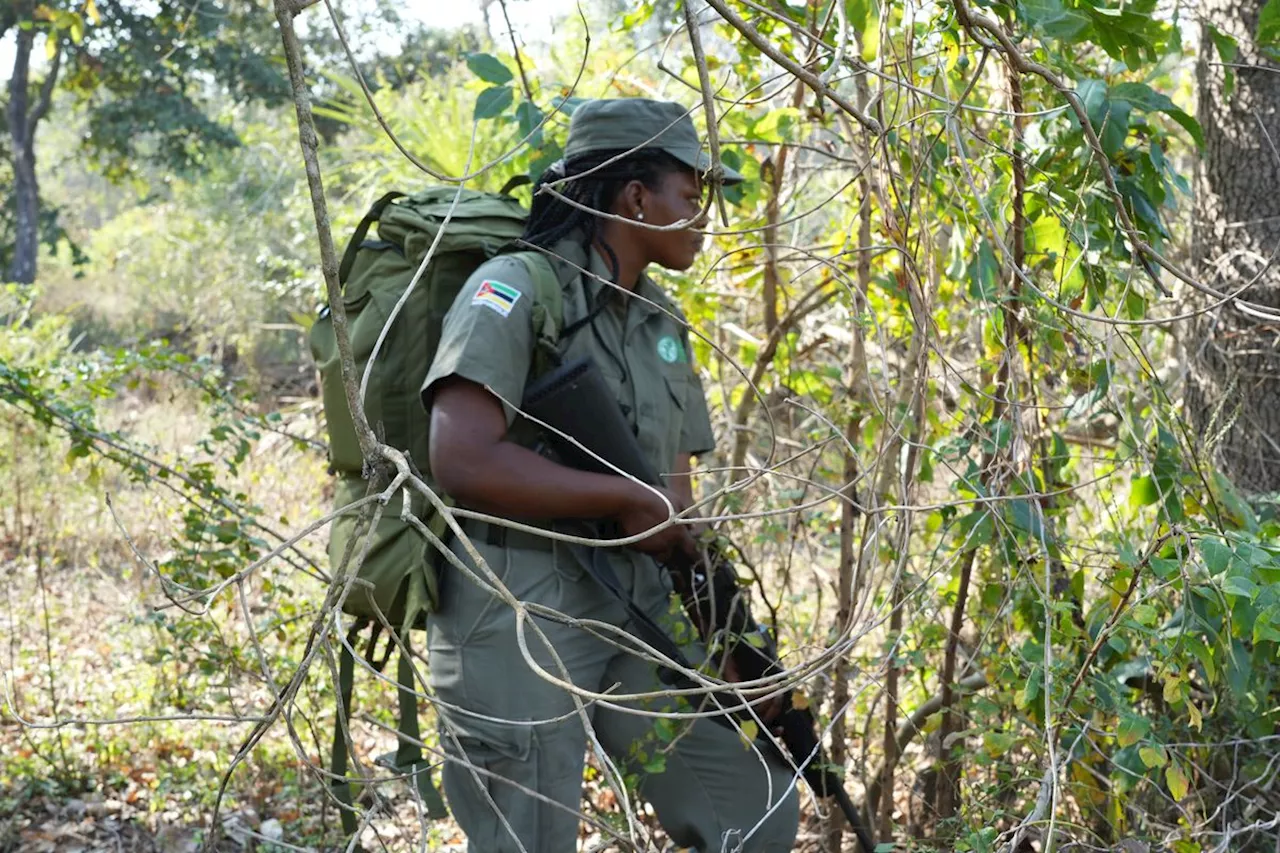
(514,482)
(681,479)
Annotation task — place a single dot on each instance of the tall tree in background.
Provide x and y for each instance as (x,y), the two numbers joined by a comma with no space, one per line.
(144,74)
(1233,393)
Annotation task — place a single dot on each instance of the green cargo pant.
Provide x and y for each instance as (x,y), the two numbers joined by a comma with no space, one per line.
(714,794)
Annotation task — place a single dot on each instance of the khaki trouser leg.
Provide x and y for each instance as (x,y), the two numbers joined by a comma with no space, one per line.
(476,663)
(714,795)
(715,792)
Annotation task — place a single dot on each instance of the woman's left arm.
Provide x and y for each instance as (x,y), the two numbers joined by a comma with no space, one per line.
(680,482)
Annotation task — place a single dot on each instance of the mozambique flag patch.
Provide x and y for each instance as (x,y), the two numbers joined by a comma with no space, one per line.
(498,296)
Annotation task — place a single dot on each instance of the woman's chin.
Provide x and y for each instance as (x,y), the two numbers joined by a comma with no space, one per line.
(680,262)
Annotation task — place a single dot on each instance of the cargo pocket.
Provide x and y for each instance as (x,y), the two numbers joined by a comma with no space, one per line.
(489,758)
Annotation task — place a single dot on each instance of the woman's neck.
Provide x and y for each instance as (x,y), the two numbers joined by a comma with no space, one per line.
(630,263)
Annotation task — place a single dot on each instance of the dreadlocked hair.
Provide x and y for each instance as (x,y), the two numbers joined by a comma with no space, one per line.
(551,219)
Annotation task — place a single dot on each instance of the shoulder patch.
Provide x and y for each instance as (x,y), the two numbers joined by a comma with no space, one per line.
(496,295)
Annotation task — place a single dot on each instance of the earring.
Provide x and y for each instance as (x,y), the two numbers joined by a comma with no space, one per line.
(640,216)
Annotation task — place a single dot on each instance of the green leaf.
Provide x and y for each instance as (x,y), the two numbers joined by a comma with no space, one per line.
(1114,127)
(998,743)
(1239,669)
(489,68)
(1131,730)
(1225,44)
(775,125)
(1203,654)
(1145,614)
(1177,780)
(1216,555)
(1047,236)
(493,102)
(1242,586)
(1144,492)
(665,729)
(1054,20)
(1145,98)
(984,273)
(1269,25)
(527,118)
(1264,627)
(1153,756)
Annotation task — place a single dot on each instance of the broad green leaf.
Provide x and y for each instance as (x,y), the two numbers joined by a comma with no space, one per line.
(1055,20)
(776,125)
(1145,98)
(493,102)
(1114,127)
(489,68)
(1203,654)
(1145,614)
(637,16)
(1128,769)
(1047,236)
(527,118)
(998,743)
(864,15)
(1131,730)
(1021,515)
(1216,555)
(1177,780)
(1144,492)
(1153,756)
(1242,586)
(1265,627)
(984,273)
(1239,669)
(1269,25)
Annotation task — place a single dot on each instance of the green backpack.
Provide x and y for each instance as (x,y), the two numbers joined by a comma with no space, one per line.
(400,565)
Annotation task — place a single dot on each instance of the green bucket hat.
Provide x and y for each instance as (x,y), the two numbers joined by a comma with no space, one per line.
(627,123)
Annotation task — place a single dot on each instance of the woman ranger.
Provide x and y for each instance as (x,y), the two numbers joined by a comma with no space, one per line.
(515,743)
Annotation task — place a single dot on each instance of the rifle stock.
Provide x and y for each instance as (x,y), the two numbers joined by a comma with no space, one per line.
(575,400)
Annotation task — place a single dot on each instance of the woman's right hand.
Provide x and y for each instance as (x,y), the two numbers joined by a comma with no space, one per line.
(645,509)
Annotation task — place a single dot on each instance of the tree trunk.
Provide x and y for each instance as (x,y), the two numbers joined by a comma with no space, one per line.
(1233,389)
(26,192)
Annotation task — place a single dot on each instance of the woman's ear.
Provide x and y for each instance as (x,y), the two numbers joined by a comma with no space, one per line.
(632,200)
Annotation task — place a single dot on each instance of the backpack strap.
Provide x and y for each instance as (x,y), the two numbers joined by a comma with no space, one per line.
(374,214)
(338,783)
(548,310)
(408,755)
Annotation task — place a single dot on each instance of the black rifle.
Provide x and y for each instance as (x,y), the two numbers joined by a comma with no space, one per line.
(574,399)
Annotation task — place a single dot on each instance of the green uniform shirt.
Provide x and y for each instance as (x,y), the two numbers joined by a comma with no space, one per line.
(642,351)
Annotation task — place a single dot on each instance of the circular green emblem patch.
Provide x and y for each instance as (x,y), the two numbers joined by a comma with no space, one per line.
(669,350)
